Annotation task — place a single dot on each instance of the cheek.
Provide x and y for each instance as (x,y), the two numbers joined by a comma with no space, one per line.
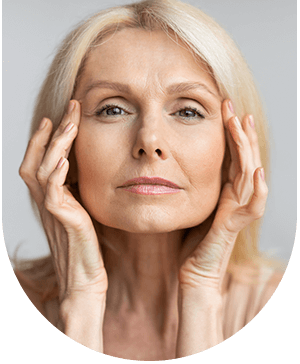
(97,152)
(98,163)
(101,160)
(203,166)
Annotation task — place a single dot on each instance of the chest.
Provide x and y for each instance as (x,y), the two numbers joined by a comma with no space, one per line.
(137,348)
(131,338)
(137,338)
(139,341)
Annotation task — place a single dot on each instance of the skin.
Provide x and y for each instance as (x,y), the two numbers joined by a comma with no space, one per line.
(192,152)
(127,296)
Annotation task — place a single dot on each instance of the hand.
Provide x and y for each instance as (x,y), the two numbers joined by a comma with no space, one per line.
(71,236)
(242,201)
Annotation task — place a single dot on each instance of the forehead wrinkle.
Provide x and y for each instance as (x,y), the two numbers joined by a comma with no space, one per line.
(149,86)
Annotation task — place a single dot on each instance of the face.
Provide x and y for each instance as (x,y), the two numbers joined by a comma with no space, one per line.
(148,110)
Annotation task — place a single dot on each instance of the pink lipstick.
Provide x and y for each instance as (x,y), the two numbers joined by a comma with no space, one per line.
(150,186)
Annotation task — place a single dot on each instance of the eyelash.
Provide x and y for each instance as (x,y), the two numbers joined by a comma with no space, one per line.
(112,106)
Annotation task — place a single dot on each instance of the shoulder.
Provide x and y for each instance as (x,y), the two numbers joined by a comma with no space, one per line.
(31,291)
(247,290)
(270,279)
(261,279)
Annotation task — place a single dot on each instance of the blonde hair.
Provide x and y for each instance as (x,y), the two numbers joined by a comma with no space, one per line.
(202,36)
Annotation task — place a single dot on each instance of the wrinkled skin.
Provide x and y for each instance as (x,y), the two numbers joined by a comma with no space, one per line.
(144,127)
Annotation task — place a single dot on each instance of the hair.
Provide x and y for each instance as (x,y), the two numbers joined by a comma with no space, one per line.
(205,39)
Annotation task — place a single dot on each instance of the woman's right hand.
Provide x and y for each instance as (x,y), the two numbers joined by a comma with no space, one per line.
(71,235)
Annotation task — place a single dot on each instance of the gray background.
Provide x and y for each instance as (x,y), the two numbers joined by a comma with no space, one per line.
(265,31)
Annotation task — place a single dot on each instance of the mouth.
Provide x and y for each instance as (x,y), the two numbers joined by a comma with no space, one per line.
(150,181)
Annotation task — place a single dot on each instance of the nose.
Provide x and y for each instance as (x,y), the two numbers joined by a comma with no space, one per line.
(150,140)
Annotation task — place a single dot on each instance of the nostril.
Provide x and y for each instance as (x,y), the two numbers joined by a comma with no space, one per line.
(158,151)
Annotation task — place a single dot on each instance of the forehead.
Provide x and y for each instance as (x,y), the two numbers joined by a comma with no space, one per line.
(143,57)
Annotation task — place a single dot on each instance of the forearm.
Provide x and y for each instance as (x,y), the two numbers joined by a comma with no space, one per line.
(200,323)
(82,320)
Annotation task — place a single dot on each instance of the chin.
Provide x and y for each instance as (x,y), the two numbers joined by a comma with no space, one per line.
(144,224)
(151,221)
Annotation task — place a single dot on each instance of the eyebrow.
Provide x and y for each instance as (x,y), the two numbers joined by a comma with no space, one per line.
(172,89)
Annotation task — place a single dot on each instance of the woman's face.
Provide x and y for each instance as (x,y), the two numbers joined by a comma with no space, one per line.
(148,110)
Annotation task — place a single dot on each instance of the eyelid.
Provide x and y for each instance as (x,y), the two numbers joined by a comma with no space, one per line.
(200,114)
(98,112)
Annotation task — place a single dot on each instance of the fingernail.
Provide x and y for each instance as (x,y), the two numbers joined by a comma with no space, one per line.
(68,127)
(61,162)
(251,121)
(262,174)
(231,106)
(43,123)
(71,107)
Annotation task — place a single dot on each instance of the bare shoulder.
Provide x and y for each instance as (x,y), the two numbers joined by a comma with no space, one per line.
(248,289)
(270,278)
(276,277)
(34,296)
(256,274)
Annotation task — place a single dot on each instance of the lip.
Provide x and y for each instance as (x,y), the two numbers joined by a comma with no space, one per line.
(150,181)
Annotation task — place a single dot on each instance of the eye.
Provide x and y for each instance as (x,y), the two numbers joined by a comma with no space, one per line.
(190,113)
(110,110)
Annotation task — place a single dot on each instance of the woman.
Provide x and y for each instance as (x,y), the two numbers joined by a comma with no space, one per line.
(146,165)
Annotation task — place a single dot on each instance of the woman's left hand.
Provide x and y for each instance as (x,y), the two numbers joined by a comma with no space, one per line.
(242,200)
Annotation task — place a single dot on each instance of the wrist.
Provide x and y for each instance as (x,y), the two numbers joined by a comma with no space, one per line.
(82,318)
(200,298)
(200,322)
(82,304)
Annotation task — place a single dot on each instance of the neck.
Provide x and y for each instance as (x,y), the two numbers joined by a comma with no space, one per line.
(142,271)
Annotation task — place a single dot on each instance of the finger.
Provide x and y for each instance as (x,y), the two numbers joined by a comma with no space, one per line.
(256,206)
(58,199)
(243,183)
(33,157)
(242,166)
(59,146)
(239,146)
(249,128)
(228,113)
(54,197)
(72,115)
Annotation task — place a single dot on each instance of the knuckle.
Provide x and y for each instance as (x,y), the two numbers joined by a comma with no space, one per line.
(258,212)
(41,175)
(54,143)
(59,141)
(254,139)
(23,172)
(26,174)
(33,142)
(51,180)
(49,205)
(61,127)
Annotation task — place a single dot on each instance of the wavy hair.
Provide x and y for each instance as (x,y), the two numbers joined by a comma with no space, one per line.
(203,37)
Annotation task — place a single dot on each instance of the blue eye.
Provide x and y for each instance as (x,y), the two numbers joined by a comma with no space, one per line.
(111,111)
